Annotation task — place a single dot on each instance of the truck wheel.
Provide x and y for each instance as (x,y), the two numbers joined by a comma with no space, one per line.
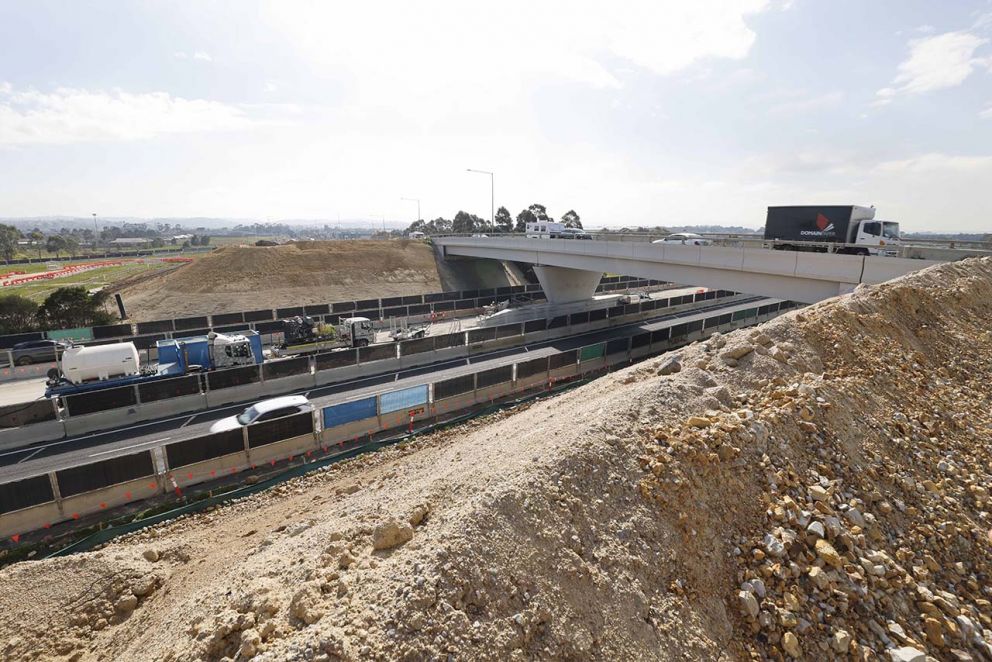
(363,343)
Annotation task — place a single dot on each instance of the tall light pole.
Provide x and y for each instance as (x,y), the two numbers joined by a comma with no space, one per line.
(417,200)
(96,232)
(492,195)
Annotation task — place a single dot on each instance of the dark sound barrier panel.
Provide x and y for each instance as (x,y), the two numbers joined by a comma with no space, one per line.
(531,326)
(418,346)
(164,389)
(25,493)
(449,340)
(340,359)
(184,323)
(481,335)
(563,359)
(258,315)
(617,346)
(495,376)
(269,432)
(89,477)
(286,368)
(232,377)
(102,400)
(532,367)
(198,449)
(376,353)
(507,330)
(452,387)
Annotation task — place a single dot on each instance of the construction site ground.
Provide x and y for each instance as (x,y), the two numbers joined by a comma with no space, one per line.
(234,278)
(813,488)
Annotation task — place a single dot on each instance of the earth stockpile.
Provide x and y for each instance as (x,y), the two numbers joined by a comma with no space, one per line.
(236,278)
(813,488)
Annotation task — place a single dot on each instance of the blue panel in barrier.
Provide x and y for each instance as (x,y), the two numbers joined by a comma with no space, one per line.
(405,399)
(348,412)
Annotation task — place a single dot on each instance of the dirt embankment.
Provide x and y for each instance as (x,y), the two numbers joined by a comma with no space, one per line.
(815,488)
(238,278)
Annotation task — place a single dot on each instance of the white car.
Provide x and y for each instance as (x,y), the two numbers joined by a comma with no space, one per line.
(637,297)
(266,410)
(480,235)
(684,238)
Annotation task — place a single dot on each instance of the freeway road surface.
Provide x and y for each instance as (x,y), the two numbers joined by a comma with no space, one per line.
(48,456)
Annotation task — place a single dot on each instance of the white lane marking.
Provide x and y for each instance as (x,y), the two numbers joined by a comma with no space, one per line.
(144,443)
(30,455)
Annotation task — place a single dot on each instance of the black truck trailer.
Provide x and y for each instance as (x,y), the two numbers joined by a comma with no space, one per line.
(813,227)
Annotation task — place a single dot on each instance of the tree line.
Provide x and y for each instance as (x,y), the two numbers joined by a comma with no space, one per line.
(466,223)
(65,308)
(68,241)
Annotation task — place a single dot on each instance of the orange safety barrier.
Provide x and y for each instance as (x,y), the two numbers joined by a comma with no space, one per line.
(64,271)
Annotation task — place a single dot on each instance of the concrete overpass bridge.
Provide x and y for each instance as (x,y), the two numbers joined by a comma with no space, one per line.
(570,270)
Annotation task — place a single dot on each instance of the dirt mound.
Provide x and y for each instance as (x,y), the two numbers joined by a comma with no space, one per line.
(817,487)
(237,278)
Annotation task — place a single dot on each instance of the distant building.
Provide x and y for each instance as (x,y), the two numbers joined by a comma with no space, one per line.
(130,241)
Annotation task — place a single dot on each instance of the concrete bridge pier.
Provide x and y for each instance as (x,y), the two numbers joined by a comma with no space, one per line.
(565,285)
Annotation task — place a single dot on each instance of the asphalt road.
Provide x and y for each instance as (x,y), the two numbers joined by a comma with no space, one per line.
(53,455)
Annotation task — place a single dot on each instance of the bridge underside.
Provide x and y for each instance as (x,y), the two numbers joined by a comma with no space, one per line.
(566,268)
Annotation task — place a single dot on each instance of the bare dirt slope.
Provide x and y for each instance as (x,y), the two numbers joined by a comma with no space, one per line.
(816,488)
(236,278)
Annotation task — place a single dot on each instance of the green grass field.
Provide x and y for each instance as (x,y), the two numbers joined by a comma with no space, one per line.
(38,290)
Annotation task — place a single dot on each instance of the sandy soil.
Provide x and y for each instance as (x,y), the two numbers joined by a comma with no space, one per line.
(814,488)
(238,278)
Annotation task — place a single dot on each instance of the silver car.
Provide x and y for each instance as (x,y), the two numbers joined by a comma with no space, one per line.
(37,351)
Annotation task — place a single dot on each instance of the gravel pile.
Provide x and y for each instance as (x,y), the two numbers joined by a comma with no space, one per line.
(815,488)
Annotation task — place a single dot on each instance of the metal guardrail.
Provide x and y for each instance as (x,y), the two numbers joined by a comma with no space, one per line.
(903,248)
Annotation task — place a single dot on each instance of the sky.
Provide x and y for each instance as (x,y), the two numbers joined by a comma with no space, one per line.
(646,112)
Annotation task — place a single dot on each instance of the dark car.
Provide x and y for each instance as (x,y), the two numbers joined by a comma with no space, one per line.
(37,351)
(574,233)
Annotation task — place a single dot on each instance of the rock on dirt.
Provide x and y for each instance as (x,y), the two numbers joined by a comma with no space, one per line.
(390,534)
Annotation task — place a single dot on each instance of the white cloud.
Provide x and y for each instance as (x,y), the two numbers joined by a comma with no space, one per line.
(937,163)
(69,115)
(934,63)
(987,113)
(475,59)
(802,102)
(198,55)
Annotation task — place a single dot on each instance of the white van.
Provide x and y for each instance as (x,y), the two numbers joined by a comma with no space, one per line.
(544,230)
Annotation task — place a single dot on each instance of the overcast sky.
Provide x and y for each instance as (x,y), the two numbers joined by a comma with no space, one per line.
(634,113)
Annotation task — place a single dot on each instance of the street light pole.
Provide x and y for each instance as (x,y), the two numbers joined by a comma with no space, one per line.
(492,195)
(96,232)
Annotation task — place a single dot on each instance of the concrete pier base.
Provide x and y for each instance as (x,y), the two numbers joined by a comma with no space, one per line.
(565,285)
